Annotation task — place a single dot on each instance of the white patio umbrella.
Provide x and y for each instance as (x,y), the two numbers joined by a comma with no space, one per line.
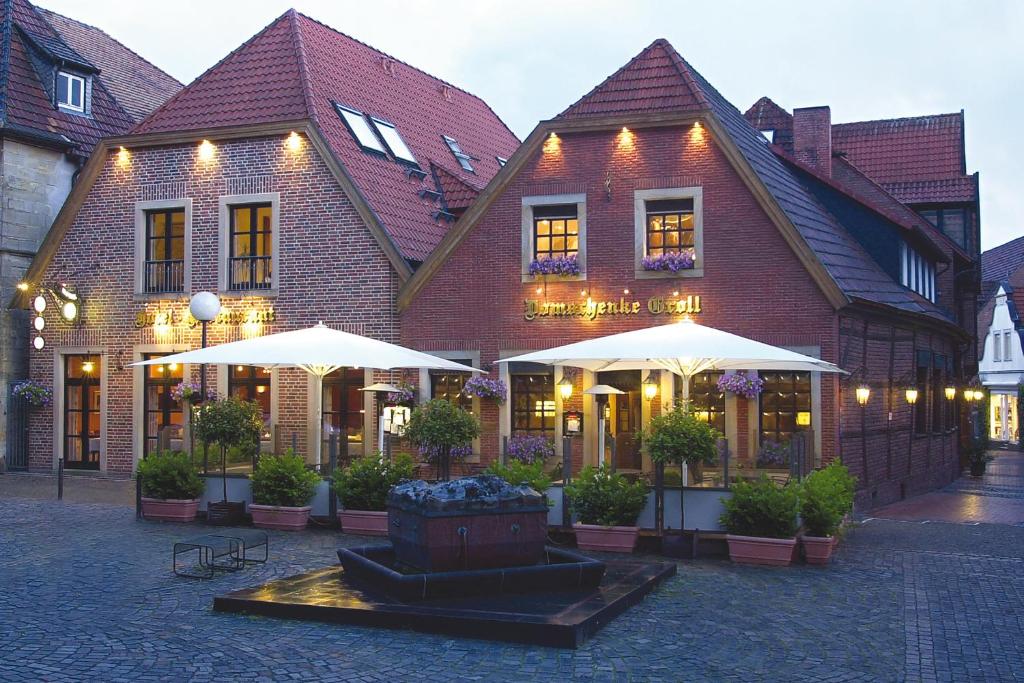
(684,348)
(318,350)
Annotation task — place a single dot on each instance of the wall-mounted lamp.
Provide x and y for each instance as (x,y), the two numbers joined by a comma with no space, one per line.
(294,142)
(950,393)
(911,394)
(863,394)
(565,388)
(206,150)
(650,387)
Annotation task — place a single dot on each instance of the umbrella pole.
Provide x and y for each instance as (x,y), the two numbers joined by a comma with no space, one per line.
(319,416)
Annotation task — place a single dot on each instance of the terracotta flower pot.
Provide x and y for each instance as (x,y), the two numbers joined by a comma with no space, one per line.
(609,539)
(818,549)
(279,517)
(364,522)
(170,510)
(756,550)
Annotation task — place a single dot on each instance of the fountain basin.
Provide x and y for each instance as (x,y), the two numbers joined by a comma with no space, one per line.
(557,570)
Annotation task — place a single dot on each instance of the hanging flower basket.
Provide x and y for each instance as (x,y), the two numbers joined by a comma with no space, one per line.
(559,265)
(672,262)
(33,393)
(191,392)
(484,387)
(741,385)
(405,396)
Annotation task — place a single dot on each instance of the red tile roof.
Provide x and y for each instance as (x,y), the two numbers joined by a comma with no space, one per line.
(137,85)
(766,115)
(901,150)
(25,106)
(458,194)
(962,189)
(296,68)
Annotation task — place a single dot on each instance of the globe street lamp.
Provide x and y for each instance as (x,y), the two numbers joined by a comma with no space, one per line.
(204,307)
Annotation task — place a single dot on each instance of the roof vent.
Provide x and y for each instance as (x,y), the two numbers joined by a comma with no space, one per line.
(389,65)
(446,92)
(417,173)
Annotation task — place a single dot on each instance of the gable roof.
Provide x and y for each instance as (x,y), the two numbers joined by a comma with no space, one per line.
(999,263)
(137,85)
(297,68)
(844,270)
(28,42)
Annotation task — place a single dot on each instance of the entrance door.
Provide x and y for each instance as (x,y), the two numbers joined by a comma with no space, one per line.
(626,417)
(82,400)
(1003,417)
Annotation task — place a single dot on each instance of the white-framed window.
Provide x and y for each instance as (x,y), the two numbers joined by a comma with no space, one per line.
(669,232)
(163,247)
(389,134)
(1007,353)
(554,227)
(997,346)
(70,91)
(916,272)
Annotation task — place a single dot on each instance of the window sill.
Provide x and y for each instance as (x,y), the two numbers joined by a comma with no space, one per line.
(160,296)
(230,294)
(641,274)
(555,278)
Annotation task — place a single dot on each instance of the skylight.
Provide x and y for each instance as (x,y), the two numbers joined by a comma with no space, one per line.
(463,158)
(501,161)
(360,128)
(393,140)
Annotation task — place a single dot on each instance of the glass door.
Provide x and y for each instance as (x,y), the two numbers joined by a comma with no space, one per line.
(82,401)
(160,409)
(343,410)
(625,416)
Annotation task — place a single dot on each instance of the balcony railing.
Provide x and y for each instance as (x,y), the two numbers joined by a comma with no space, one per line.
(164,276)
(249,272)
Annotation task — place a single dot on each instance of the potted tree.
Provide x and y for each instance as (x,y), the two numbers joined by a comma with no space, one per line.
(607,505)
(678,437)
(439,426)
(281,490)
(761,521)
(170,487)
(229,423)
(826,497)
(363,488)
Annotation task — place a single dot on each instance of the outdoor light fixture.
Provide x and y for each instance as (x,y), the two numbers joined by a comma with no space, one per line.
(911,394)
(650,388)
(39,323)
(206,150)
(88,367)
(294,142)
(204,307)
(38,343)
(69,311)
(565,388)
(979,395)
(863,394)
(22,286)
(39,304)
(950,393)
(123,157)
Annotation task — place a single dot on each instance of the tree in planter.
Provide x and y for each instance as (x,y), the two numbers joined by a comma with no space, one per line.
(364,484)
(678,437)
(169,475)
(230,423)
(284,481)
(438,426)
(761,508)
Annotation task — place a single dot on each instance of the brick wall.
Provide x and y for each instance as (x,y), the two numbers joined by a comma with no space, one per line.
(331,269)
(812,137)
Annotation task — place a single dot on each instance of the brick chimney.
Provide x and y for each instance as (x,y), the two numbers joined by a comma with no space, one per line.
(812,137)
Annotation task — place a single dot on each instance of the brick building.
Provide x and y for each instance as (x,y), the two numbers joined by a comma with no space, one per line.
(63,86)
(302,178)
(790,244)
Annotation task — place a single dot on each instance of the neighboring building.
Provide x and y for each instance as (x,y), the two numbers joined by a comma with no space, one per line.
(63,86)
(1001,368)
(302,178)
(795,248)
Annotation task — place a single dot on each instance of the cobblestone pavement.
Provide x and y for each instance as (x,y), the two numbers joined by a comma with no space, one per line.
(88,595)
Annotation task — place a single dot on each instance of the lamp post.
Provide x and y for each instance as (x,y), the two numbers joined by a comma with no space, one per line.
(863,393)
(204,307)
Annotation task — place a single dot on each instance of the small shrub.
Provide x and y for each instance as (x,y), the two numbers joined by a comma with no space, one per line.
(283,480)
(761,508)
(602,497)
(170,476)
(678,436)
(364,484)
(826,496)
(518,472)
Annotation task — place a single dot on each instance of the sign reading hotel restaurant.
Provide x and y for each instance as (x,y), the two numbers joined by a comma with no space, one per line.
(592,310)
(163,317)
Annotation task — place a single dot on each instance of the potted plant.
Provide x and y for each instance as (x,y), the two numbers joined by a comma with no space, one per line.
(826,497)
(363,488)
(607,505)
(170,487)
(281,490)
(518,472)
(679,437)
(439,426)
(978,458)
(33,393)
(486,388)
(760,519)
(229,423)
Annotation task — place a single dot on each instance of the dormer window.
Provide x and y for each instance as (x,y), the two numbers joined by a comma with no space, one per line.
(70,91)
(465,161)
(769,135)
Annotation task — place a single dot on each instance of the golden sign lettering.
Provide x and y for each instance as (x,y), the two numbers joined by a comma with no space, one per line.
(591,310)
(167,317)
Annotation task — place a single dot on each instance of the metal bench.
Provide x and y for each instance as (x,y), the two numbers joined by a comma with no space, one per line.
(212,551)
(247,540)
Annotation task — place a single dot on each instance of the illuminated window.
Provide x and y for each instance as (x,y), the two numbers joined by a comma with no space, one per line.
(533,403)
(82,407)
(251,383)
(669,226)
(465,161)
(164,269)
(785,405)
(343,405)
(360,129)
(707,402)
(389,134)
(448,385)
(250,261)
(556,231)
(160,410)
(70,91)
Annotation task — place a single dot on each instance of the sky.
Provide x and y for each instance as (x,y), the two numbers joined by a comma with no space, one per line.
(532,58)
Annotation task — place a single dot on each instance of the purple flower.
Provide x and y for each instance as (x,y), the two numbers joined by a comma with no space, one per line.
(741,385)
(485,387)
(672,262)
(529,448)
(773,454)
(191,392)
(432,453)
(405,396)
(557,265)
(33,393)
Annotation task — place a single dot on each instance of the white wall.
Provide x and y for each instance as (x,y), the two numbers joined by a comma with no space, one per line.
(1006,372)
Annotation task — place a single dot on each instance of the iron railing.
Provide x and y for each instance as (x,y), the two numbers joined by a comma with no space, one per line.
(165,276)
(249,272)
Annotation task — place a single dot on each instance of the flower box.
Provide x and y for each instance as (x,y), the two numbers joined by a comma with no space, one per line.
(279,517)
(756,550)
(565,266)
(610,539)
(818,549)
(364,522)
(170,510)
(673,262)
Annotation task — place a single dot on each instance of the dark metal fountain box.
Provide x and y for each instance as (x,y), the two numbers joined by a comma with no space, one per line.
(471,523)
